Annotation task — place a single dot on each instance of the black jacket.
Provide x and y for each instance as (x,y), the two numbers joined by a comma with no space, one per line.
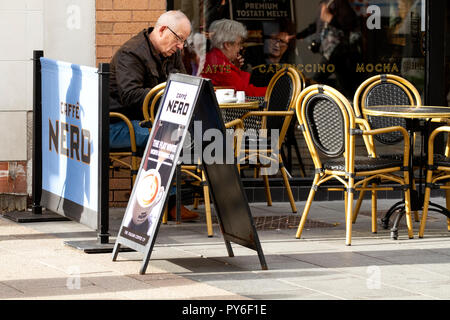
(344,18)
(135,68)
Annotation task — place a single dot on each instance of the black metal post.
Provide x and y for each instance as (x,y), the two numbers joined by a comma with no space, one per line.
(37,133)
(435,53)
(435,62)
(103,149)
(170,5)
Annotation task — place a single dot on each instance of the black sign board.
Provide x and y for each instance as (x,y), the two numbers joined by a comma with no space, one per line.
(186,98)
(262,10)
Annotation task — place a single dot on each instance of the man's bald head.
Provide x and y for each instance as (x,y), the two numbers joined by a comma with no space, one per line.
(170,32)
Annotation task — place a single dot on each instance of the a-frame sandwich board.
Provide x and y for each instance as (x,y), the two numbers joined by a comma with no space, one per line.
(186,99)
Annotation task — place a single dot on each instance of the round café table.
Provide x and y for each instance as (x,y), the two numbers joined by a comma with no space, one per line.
(417,119)
(409,112)
(235,110)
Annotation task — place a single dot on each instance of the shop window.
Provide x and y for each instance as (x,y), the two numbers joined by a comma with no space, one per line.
(447,54)
(363,38)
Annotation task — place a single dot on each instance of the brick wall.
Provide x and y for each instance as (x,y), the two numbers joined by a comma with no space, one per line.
(13,177)
(118,20)
(13,185)
(120,184)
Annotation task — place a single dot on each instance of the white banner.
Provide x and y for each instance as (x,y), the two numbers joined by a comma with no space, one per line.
(69,136)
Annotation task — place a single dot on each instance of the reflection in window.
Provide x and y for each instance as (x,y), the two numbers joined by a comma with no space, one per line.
(447,54)
(336,42)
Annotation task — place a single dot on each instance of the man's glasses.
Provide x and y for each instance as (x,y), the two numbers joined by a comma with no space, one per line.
(279,42)
(179,39)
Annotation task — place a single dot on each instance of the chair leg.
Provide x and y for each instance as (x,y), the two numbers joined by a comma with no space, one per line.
(345,204)
(447,204)
(165,215)
(209,227)
(307,207)
(134,169)
(178,194)
(416,213)
(267,189)
(409,223)
(288,189)
(426,202)
(359,202)
(348,216)
(374,209)
(196,203)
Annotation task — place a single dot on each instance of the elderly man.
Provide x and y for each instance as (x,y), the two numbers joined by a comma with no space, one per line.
(140,64)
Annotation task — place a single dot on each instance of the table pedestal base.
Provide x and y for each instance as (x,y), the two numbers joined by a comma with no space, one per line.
(400,208)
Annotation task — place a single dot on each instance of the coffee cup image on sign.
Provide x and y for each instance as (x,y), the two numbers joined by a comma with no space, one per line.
(148,194)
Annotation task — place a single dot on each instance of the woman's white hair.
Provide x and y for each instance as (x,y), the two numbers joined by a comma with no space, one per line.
(171,18)
(225,30)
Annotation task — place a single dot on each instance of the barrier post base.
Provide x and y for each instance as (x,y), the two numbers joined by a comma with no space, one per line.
(94,246)
(29,216)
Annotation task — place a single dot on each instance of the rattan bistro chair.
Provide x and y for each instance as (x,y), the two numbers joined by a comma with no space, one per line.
(385,89)
(279,103)
(330,128)
(125,158)
(151,102)
(437,177)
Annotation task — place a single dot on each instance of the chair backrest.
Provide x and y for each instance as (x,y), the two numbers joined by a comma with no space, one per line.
(149,109)
(116,155)
(124,118)
(282,91)
(327,119)
(385,89)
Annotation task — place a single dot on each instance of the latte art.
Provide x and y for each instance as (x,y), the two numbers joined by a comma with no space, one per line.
(148,189)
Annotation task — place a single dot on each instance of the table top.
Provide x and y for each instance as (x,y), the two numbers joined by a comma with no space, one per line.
(240,105)
(411,112)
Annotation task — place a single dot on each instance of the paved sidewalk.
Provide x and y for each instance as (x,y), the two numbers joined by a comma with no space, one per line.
(186,264)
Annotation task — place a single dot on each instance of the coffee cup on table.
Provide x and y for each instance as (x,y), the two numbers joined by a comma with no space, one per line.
(224,95)
(240,96)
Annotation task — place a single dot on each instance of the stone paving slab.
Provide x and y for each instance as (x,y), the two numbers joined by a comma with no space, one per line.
(187,265)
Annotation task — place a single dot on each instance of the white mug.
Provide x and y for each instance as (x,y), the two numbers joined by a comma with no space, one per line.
(224,94)
(240,96)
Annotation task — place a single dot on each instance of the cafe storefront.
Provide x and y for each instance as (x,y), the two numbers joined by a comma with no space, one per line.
(403,37)
(408,38)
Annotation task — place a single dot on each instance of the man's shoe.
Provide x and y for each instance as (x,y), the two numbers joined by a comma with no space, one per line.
(186,214)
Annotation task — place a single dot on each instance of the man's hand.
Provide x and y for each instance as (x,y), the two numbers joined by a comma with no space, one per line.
(325,14)
(145,124)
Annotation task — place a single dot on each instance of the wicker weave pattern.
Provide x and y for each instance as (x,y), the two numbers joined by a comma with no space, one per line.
(327,126)
(230,114)
(387,94)
(255,98)
(280,99)
(362,164)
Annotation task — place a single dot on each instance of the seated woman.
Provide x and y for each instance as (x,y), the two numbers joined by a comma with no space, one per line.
(223,61)
(273,54)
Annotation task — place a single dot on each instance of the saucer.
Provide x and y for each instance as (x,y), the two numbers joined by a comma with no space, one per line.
(228,100)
